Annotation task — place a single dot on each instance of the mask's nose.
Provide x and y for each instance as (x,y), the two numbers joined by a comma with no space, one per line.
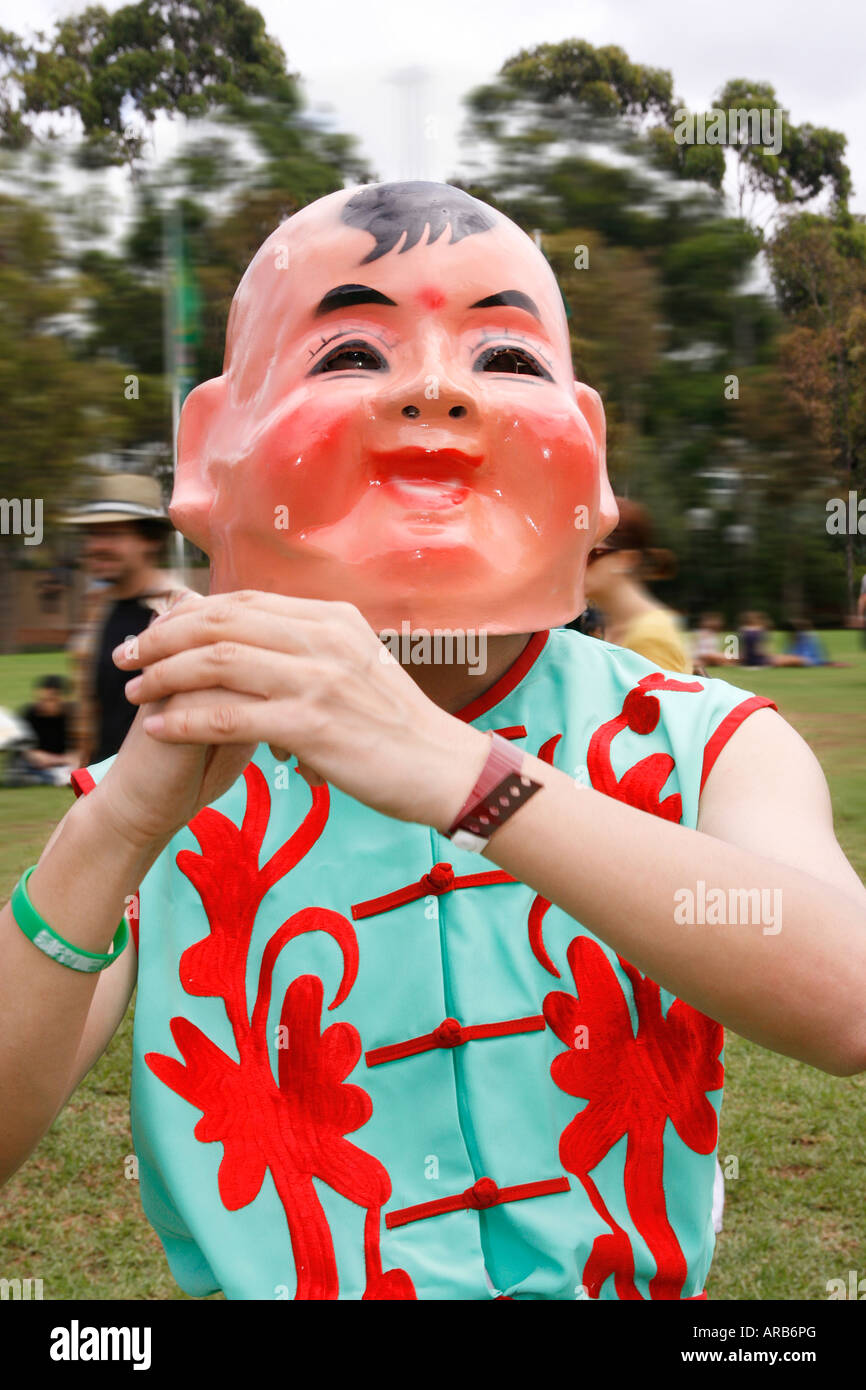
(430,395)
(431,400)
(412,411)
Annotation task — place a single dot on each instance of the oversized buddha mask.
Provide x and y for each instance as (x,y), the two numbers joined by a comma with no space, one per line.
(397,423)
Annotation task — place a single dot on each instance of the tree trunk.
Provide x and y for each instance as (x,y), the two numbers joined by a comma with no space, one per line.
(849,534)
(7,601)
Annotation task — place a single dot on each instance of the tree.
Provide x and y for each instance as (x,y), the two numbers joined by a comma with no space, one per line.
(250,163)
(586,91)
(57,402)
(236,177)
(680,258)
(158,56)
(614,295)
(819,269)
(669,306)
(809,160)
(605,80)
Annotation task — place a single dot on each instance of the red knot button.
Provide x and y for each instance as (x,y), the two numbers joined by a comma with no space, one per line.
(449,1033)
(482,1193)
(440,878)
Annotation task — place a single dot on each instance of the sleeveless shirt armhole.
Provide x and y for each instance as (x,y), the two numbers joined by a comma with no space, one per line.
(729,726)
(82,782)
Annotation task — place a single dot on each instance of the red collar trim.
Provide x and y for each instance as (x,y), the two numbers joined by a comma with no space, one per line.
(507,681)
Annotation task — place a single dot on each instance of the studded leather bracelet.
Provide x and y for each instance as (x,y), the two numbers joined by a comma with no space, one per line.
(501,789)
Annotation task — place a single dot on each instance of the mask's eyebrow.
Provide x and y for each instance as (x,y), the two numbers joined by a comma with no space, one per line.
(516,299)
(344,296)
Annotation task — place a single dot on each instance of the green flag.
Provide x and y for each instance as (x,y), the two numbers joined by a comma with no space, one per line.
(184,308)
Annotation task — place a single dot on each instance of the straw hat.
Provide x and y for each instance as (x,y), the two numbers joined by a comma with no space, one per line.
(122,497)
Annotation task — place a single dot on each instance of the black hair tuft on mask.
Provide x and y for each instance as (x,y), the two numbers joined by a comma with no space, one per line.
(387,210)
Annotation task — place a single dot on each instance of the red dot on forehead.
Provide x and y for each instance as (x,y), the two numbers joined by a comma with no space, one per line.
(429,297)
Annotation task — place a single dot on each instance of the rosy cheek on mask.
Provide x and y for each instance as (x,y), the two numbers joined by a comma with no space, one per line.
(297,470)
(548,465)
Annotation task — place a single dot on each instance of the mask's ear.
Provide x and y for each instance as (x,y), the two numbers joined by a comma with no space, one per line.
(592,410)
(192,498)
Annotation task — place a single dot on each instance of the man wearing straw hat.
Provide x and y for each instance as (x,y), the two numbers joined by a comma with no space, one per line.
(123,527)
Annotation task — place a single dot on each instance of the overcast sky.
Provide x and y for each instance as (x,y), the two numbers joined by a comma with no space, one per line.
(348,54)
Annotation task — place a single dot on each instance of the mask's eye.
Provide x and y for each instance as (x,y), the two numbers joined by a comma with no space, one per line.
(351,357)
(513,360)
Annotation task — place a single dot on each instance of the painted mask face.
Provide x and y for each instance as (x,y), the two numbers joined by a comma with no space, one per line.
(397,422)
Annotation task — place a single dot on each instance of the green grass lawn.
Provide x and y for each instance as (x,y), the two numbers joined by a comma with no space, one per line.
(19,674)
(795,1215)
(71,1216)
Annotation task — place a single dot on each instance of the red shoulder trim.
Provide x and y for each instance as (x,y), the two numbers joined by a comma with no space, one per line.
(728,726)
(81,781)
(507,681)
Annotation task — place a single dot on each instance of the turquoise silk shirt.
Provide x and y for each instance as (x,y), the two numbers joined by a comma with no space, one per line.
(368,1064)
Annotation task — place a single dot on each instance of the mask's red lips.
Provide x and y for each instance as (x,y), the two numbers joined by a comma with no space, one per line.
(445,465)
(425,481)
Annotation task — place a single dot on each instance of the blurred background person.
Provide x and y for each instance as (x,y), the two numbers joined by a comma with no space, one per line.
(52,587)
(51,757)
(753,635)
(617,573)
(805,646)
(124,530)
(707,643)
(590,622)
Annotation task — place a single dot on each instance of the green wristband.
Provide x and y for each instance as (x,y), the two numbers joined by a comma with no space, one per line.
(48,940)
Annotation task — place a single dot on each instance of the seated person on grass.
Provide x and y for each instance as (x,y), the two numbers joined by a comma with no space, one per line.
(49,716)
(806,647)
(422,1009)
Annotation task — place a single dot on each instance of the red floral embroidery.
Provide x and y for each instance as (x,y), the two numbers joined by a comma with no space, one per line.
(294,1125)
(633,1082)
(641,785)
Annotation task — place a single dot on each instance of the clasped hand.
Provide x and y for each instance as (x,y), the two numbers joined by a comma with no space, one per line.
(310,678)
